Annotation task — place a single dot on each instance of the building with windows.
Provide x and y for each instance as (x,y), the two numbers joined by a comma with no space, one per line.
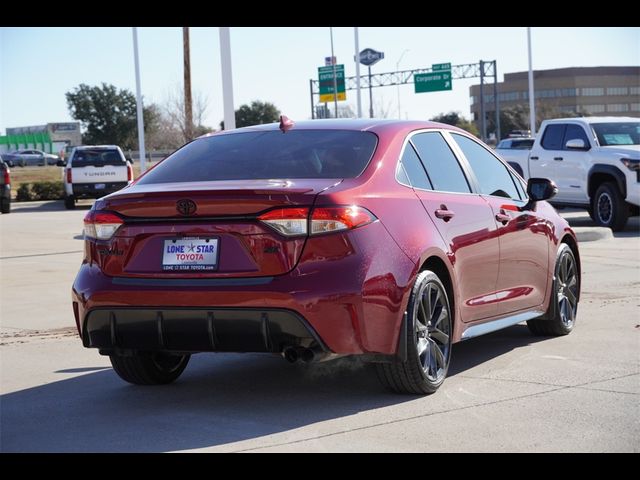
(50,138)
(611,91)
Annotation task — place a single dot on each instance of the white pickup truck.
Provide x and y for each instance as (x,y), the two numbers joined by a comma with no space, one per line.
(93,172)
(594,161)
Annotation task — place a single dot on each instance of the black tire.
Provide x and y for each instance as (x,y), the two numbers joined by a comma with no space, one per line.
(69,202)
(149,368)
(609,207)
(428,340)
(5,205)
(560,317)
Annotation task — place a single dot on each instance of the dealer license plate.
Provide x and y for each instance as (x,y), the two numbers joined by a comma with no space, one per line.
(190,254)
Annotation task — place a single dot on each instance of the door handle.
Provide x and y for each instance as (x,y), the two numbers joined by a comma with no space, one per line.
(503,217)
(558,159)
(444,214)
(533,158)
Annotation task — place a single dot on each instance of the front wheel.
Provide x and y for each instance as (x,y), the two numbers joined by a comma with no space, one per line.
(149,368)
(609,208)
(560,317)
(428,340)
(5,205)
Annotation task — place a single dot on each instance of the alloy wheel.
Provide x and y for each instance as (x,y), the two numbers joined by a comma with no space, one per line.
(433,331)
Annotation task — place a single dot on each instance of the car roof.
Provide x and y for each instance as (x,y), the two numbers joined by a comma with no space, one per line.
(375,125)
(595,119)
(96,147)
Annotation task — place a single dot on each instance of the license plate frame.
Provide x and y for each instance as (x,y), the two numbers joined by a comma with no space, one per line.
(190,254)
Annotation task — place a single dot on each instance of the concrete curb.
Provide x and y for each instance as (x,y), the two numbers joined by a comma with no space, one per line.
(591,234)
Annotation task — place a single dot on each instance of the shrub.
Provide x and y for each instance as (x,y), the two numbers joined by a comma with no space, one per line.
(40,191)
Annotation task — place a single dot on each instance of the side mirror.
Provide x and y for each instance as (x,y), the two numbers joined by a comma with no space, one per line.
(61,163)
(540,189)
(576,144)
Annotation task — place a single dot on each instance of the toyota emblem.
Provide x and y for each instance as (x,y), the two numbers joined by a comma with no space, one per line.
(186,207)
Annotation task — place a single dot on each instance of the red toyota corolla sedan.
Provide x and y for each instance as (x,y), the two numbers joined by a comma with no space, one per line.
(385,239)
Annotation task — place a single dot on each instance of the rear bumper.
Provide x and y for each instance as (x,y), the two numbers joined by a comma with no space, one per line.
(198,330)
(347,295)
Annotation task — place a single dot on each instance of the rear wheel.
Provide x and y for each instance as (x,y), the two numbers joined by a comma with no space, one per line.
(149,368)
(69,202)
(563,306)
(609,207)
(5,205)
(429,331)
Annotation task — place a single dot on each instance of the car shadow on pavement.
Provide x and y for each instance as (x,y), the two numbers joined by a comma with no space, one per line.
(49,206)
(470,353)
(632,229)
(220,399)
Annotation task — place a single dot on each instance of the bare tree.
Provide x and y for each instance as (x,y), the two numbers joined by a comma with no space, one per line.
(174,113)
(188,127)
(382,108)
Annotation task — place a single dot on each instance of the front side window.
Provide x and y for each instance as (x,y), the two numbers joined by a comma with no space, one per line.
(268,155)
(441,165)
(493,176)
(575,132)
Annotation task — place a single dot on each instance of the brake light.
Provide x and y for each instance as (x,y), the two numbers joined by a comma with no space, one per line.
(295,221)
(129,172)
(101,225)
(7,177)
(69,175)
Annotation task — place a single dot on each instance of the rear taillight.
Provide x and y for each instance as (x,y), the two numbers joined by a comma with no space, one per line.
(69,175)
(7,177)
(101,225)
(333,219)
(129,172)
(295,221)
(287,221)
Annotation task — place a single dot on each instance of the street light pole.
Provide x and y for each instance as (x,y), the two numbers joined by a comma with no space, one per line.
(139,110)
(398,68)
(335,80)
(532,100)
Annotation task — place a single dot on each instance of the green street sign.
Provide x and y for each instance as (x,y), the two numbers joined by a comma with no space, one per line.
(325,80)
(432,82)
(440,66)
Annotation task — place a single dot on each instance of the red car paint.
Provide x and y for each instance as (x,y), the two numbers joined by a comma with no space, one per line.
(352,286)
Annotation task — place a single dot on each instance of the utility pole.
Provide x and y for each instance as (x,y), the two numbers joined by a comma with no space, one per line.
(357,59)
(139,110)
(532,100)
(335,80)
(188,116)
(370,95)
(227,78)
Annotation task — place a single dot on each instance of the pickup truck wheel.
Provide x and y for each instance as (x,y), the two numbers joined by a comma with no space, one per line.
(609,207)
(5,205)
(149,368)
(69,202)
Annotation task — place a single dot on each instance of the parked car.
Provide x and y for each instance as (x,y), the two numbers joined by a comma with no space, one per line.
(5,187)
(391,240)
(23,158)
(595,161)
(93,171)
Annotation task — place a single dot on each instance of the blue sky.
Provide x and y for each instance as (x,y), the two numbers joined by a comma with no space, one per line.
(38,65)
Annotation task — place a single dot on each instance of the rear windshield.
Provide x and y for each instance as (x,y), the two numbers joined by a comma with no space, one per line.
(100,157)
(265,155)
(622,133)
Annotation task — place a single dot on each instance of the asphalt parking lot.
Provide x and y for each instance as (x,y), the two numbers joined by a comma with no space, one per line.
(507,391)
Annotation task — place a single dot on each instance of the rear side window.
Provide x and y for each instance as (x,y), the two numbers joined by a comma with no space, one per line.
(553,136)
(414,170)
(270,154)
(442,167)
(101,157)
